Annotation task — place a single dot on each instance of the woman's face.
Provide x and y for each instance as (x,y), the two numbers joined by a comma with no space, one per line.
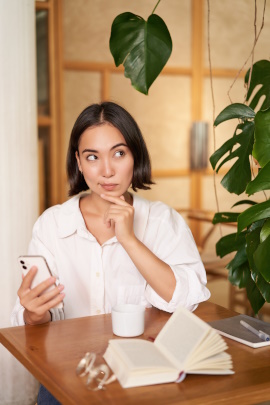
(105,160)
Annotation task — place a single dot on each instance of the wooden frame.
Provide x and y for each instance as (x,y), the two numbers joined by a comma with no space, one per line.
(53,120)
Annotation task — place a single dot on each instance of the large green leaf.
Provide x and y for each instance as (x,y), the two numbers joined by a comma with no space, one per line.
(254,296)
(142,46)
(255,225)
(239,276)
(225,148)
(253,241)
(230,243)
(253,214)
(261,149)
(239,259)
(261,181)
(239,175)
(262,259)
(260,77)
(264,287)
(225,217)
(243,202)
(235,110)
(265,232)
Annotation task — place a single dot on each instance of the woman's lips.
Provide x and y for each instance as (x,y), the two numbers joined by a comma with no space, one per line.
(108,187)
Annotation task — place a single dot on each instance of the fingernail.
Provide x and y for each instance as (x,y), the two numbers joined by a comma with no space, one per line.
(60,287)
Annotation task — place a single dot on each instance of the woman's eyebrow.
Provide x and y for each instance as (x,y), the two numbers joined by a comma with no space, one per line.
(117,145)
(89,150)
(96,151)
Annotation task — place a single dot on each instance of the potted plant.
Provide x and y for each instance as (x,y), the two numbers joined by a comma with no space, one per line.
(250,267)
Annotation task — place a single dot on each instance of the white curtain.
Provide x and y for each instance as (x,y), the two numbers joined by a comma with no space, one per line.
(18,175)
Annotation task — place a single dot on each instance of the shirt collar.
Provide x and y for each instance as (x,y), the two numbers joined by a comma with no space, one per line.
(142,208)
(71,219)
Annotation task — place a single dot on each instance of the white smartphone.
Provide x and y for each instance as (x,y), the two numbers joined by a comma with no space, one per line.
(43,273)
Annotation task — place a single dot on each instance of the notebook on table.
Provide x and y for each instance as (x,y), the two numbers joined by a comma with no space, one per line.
(232,329)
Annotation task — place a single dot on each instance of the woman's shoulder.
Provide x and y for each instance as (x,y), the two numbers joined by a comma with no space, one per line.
(160,210)
(53,216)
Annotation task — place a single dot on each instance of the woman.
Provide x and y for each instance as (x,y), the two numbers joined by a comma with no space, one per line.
(109,246)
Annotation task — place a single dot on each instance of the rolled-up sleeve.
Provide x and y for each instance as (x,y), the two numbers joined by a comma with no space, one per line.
(174,244)
(17,314)
(17,318)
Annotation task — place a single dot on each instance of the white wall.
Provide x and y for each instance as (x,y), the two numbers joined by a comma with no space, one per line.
(18,174)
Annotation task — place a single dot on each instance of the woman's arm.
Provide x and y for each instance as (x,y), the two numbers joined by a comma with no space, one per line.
(157,274)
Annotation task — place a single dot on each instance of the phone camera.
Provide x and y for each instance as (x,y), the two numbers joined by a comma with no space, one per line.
(22,262)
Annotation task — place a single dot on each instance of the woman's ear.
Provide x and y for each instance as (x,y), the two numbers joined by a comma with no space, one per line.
(78,161)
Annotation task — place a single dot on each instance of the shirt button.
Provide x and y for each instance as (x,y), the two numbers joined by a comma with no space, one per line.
(98,311)
(97,274)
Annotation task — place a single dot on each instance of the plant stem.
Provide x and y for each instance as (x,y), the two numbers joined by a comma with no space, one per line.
(156,6)
(213,102)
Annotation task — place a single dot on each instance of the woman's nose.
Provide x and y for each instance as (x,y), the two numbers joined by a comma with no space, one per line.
(107,168)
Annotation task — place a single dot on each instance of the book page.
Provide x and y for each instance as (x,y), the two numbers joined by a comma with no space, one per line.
(181,335)
(211,345)
(140,354)
(221,361)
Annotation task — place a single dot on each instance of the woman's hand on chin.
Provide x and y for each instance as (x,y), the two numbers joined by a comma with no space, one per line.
(120,215)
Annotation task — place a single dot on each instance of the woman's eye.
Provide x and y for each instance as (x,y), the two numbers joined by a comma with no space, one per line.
(91,157)
(119,153)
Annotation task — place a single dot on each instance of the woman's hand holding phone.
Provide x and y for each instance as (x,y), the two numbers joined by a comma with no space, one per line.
(38,300)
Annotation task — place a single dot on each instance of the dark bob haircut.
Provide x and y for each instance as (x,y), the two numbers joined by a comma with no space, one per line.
(111,113)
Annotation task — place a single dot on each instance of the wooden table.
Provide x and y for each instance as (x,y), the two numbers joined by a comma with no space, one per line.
(52,351)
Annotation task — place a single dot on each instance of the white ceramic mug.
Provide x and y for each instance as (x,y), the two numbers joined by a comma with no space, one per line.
(128,320)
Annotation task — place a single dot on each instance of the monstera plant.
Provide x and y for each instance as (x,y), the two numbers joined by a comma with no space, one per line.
(250,267)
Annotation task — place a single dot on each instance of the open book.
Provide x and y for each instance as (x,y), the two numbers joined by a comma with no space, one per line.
(186,344)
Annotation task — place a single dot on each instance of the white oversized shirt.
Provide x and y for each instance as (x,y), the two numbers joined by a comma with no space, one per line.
(97,277)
